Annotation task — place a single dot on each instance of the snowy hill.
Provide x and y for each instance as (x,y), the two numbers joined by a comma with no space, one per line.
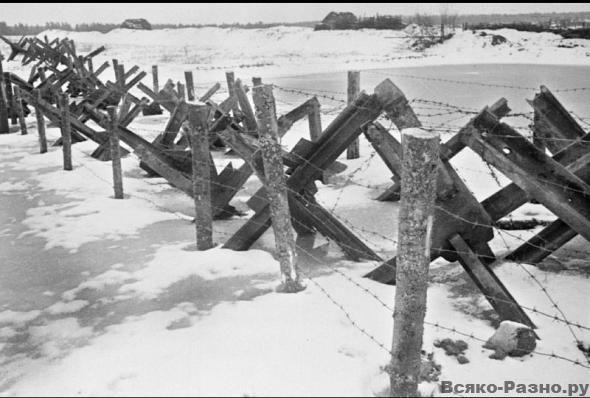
(285,51)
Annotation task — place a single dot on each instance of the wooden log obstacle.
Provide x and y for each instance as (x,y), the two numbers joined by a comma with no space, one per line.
(462,226)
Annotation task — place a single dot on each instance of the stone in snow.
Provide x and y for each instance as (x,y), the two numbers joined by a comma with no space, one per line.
(511,339)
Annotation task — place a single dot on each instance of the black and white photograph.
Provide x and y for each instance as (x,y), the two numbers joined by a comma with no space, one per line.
(295,199)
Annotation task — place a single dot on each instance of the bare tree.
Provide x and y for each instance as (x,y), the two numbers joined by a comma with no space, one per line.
(447,18)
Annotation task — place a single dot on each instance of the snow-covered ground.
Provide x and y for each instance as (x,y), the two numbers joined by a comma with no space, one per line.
(109,297)
(285,51)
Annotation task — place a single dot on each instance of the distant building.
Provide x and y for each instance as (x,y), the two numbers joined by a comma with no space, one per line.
(138,23)
(338,20)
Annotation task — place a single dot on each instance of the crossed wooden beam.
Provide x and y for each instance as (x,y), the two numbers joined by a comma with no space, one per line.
(560,183)
(462,227)
(308,160)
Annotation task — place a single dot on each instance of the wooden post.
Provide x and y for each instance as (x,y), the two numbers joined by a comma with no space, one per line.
(90,65)
(354,88)
(181,90)
(18,101)
(418,192)
(124,106)
(198,117)
(315,120)
(42,74)
(256,81)
(10,99)
(276,188)
(249,118)
(120,76)
(40,122)
(115,152)
(115,63)
(4,127)
(66,132)
(155,85)
(190,85)
(229,76)
(210,92)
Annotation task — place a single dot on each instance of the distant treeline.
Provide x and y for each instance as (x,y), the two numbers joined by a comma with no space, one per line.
(579,32)
(562,19)
(24,29)
(347,20)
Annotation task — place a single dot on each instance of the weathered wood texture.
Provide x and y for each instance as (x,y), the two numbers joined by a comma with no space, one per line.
(385,145)
(249,118)
(335,139)
(354,88)
(66,131)
(230,78)
(457,210)
(40,123)
(554,125)
(210,93)
(115,152)
(155,83)
(180,89)
(543,178)
(10,99)
(419,175)
(190,85)
(489,284)
(18,101)
(303,207)
(276,189)
(314,119)
(4,127)
(198,117)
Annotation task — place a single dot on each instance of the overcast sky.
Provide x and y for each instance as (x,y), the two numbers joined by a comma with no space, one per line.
(201,13)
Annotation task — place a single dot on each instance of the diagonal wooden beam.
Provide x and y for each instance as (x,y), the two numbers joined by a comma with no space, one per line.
(489,284)
(556,127)
(302,206)
(543,178)
(574,157)
(53,114)
(335,139)
(389,149)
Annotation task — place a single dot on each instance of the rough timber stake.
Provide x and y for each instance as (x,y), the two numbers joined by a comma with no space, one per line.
(229,76)
(155,85)
(180,90)
(190,85)
(115,152)
(40,122)
(354,88)
(10,98)
(418,192)
(4,128)
(90,65)
(18,101)
(275,183)
(66,131)
(315,121)
(198,117)
(210,92)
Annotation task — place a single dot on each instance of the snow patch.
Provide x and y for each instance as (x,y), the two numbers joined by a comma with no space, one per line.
(61,307)
(174,263)
(18,317)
